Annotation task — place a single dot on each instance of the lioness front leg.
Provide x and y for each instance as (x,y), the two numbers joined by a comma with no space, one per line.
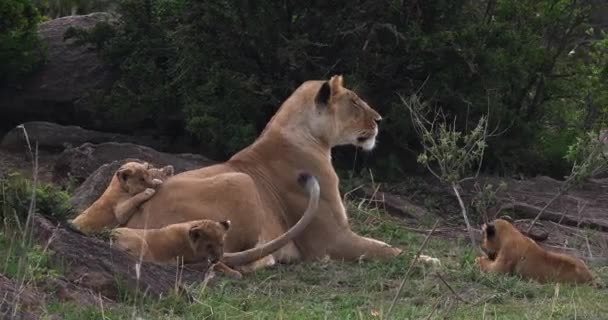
(125,209)
(352,247)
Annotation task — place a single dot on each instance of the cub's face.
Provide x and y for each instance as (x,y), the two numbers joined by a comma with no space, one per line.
(207,240)
(352,120)
(135,177)
(490,243)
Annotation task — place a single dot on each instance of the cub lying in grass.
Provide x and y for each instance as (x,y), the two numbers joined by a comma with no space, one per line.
(133,184)
(194,241)
(509,251)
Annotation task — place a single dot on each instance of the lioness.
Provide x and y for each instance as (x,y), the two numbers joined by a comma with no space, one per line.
(200,240)
(509,251)
(132,184)
(255,190)
(193,241)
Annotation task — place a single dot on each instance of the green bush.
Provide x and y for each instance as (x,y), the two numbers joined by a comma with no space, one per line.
(20,48)
(217,70)
(17,193)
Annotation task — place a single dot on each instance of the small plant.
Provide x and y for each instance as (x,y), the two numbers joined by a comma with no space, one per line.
(16,197)
(589,159)
(450,155)
(486,197)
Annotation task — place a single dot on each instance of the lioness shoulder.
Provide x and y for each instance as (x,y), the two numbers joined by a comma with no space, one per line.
(509,251)
(131,185)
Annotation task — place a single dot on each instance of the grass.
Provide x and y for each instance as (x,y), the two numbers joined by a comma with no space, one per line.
(336,290)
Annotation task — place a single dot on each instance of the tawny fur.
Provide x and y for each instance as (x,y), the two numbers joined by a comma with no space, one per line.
(131,185)
(190,242)
(255,188)
(514,253)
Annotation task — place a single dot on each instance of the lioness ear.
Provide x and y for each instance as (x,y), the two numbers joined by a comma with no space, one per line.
(322,97)
(225,224)
(335,83)
(490,230)
(167,170)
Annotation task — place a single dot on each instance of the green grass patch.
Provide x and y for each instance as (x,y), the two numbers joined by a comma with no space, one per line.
(335,290)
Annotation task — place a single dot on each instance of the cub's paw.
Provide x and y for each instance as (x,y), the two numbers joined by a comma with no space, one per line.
(149,192)
(157,182)
(481,261)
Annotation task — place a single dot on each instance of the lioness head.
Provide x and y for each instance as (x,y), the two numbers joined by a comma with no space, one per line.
(344,118)
(207,239)
(135,177)
(494,234)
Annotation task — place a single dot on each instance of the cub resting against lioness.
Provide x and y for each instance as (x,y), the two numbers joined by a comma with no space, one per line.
(203,240)
(509,251)
(132,184)
(194,242)
(255,188)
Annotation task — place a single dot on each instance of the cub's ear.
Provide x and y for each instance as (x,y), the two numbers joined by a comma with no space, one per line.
(490,230)
(323,96)
(168,170)
(195,233)
(123,174)
(225,224)
(507,218)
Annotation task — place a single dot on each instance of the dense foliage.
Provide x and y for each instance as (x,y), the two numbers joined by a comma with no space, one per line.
(219,69)
(20,48)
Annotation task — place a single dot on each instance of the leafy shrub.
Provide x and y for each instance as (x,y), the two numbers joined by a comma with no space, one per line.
(20,48)
(217,70)
(16,198)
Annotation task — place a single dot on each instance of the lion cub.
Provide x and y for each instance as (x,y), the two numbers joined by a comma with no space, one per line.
(509,251)
(133,184)
(194,241)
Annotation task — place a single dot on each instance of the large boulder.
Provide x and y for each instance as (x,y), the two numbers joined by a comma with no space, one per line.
(60,90)
(77,164)
(55,137)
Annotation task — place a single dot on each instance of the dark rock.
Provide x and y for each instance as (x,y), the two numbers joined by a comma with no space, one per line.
(78,164)
(94,264)
(62,87)
(54,137)
(95,165)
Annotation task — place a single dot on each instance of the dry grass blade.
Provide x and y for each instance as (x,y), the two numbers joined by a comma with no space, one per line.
(409,269)
(450,288)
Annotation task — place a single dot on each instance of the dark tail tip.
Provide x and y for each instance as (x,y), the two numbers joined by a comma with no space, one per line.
(303,178)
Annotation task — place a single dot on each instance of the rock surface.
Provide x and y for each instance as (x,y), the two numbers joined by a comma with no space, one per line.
(95,265)
(60,90)
(55,137)
(79,163)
